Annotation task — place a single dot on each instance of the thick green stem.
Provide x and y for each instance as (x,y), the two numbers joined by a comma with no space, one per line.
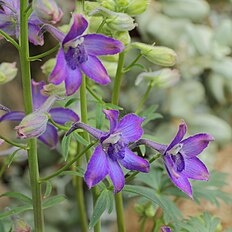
(115,100)
(142,224)
(27,94)
(84,119)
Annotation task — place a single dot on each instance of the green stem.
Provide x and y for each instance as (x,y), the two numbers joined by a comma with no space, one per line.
(49,52)
(84,119)
(94,95)
(27,94)
(142,224)
(115,100)
(144,98)
(132,63)
(101,25)
(13,143)
(9,39)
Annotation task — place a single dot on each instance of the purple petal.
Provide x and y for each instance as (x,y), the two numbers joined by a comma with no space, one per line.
(195,169)
(78,27)
(50,136)
(34,34)
(116,175)
(161,148)
(62,115)
(94,69)
(133,162)
(178,178)
(4,108)
(6,24)
(112,116)
(57,34)
(72,81)
(33,19)
(166,229)
(130,127)
(59,73)
(38,98)
(97,45)
(97,168)
(179,136)
(194,145)
(12,116)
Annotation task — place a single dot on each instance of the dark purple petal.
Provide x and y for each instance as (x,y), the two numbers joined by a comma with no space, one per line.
(57,34)
(166,229)
(161,148)
(178,178)
(97,45)
(12,116)
(133,162)
(97,168)
(94,69)
(194,145)
(62,115)
(34,34)
(6,24)
(195,169)
(78,27)
(116,175)
(38,98)
(50,136)
(112,116)
(59,73)
(130,128)
(72,81)
(179,136)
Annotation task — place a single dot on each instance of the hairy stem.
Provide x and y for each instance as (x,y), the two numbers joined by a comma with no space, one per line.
(27,94)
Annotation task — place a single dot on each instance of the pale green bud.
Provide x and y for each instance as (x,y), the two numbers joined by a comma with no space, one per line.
(123,36)
(48,66)
(109,4)
(136,7)
(90,6)
(8,72)
(158,55)
(122,3)
(54,90)
(150,211)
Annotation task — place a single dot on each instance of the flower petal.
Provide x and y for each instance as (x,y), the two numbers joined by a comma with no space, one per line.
(156,146)
(38,98)
(116,175)
(179,179)
(6,24)
(194,145)
(57,34)
(97,168)
(130,127)
(195,169)
(62,115)
(133,162)
(97,45)
(72,81)
(94,69)
(79,25)
(34,34)
(12,116)
(112,116)
(59,73)
(50,136)
(166,229)
(179,136)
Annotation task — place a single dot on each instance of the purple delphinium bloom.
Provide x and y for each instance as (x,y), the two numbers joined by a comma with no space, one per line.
(10,18)
(113,149)
(180,157)
(79,53)
(166,229)
(59,114)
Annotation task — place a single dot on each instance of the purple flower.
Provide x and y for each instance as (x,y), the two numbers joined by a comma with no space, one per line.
(166,229)
(180,157)
(10,18)
(113,149)
(59,114)
(79,53)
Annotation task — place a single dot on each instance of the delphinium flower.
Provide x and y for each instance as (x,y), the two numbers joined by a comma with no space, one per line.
(113,149)
(10,18)
(166,229)
(36,124)
(180,157)
(79,53)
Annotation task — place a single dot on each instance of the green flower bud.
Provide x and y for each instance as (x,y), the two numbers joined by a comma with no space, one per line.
(150,211)
(109,4)
(21,226)
(48,66)
(8,72)
(123,36)
(122,3)
(136,7)
(54,90)
(158,55)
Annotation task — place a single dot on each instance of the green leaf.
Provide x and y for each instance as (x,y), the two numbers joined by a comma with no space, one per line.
(149,114)
(99,116)
(80,139)
(15,210)
(99,208)
(72,100)
(112,106)
(11,157)
(65,146)
(18,196)
(48,189)
(72,173)
(110,201)
(53,201)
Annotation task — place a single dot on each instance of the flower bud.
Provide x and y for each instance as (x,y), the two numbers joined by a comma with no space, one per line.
(8,72)
(21,226)
(54,90)
(122,3)
(109,4)
(48,66)
(136,7)
(47,10)
(1,141)
(158,55)
(123,36)
(33,125)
